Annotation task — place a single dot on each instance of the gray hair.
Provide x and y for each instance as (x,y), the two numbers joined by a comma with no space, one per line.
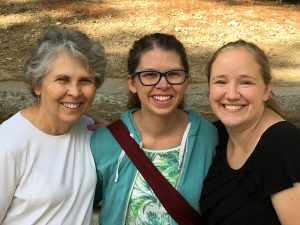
(56,40)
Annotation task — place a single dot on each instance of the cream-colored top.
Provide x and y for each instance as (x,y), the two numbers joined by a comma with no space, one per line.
(45,179)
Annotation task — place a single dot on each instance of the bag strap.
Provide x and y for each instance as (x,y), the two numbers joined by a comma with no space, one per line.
(179,209)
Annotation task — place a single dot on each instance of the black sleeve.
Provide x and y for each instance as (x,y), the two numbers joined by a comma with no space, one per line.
(278,158)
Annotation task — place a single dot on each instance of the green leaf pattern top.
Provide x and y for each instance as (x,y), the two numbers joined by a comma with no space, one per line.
(144,207)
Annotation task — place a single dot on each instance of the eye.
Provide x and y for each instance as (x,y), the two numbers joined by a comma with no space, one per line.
(246,82)
(62,79)
(175,74)
(149,75)
(220,82)
(86,81)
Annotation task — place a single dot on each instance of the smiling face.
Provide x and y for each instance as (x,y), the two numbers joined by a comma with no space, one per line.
(162,98)
(66,91)
(237,91)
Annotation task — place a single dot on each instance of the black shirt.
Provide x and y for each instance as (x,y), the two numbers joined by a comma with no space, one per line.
(242,197)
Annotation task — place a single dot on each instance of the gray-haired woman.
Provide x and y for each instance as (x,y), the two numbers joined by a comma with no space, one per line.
(47,172)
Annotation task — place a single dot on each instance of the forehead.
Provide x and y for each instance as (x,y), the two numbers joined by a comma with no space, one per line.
(235,63)
(235,53)
(159,59)
(235,58)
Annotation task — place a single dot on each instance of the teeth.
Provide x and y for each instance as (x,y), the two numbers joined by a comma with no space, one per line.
(233,107)
(71,105)
(161,98)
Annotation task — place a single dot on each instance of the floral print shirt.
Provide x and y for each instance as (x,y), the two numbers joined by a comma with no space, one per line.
(144,207)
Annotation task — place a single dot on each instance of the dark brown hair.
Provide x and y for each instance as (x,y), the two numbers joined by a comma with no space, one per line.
(162,41)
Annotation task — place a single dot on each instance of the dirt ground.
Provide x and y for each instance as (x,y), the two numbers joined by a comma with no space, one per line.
(202,26)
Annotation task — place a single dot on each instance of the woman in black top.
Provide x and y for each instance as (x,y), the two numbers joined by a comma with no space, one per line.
(255,176)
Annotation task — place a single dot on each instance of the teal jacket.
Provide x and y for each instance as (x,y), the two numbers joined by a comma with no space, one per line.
(116,172)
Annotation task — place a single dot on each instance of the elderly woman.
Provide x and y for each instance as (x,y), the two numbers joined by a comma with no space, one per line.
(47,172)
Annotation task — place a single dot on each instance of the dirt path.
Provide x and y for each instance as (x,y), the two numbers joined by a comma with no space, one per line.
(202,26)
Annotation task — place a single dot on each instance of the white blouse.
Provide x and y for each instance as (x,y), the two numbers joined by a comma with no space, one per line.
(45,179)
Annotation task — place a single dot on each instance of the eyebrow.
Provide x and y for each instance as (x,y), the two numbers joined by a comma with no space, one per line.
(240,76)
(218,76)
(61,75)
(174,68)
(247,76)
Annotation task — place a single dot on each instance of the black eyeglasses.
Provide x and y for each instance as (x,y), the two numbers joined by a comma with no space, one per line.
(152,77)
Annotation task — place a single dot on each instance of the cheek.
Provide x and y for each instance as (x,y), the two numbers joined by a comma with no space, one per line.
(143,92)
(253,94)
(89,93)
(213,94)
(213,103)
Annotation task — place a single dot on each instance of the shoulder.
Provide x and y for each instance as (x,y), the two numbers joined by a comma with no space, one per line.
(15,127)
(102,134)
(277,157)
(127,119)
(103,143)
(202,128)
(279,143)
(83,122)
(11,123)
(282,134)
(284,126)
(14,134)
(79,129)
(198,121)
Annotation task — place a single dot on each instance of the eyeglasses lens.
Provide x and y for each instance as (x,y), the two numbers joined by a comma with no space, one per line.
(153,77)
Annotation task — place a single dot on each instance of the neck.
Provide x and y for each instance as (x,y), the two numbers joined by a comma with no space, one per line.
(240,136)
(161,132)
(242,142)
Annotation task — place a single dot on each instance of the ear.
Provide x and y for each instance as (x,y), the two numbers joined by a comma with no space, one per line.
(131,84)
(267,92)
(37,90)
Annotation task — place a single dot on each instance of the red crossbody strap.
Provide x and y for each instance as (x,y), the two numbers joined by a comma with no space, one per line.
(179,209)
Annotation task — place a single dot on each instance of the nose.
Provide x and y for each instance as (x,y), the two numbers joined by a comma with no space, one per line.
(232,92)
(74,90)
(163,83)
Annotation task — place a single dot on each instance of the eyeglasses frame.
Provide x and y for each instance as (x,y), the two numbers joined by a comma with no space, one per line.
(162,74)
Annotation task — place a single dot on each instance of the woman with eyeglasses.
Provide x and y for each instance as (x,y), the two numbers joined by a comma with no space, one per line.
(179,143)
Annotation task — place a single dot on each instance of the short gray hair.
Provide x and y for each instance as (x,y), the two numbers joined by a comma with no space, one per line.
(56,40)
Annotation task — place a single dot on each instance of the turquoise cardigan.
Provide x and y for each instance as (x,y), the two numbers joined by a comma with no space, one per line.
(116,172)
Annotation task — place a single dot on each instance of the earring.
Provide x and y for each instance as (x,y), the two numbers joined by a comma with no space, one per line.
(38,98)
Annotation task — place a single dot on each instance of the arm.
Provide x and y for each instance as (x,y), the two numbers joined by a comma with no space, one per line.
(8,181)
(282,171)
(287,205)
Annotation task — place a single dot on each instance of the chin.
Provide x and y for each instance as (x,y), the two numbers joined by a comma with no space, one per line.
(233,122)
